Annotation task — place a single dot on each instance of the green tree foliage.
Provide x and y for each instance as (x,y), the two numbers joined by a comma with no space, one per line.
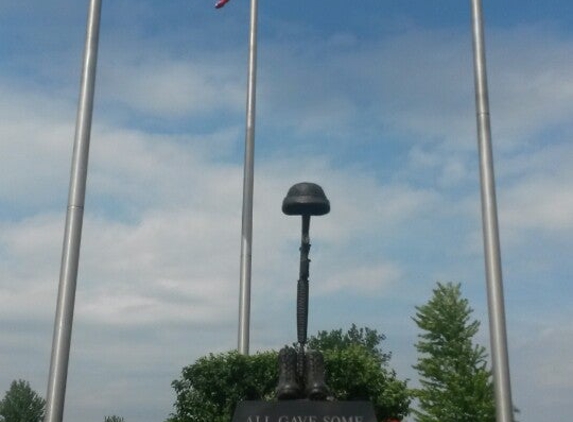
(210,388)
(356,368)
(22,404)
(456,383)
(367,338)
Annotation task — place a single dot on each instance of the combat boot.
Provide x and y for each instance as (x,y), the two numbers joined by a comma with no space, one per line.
(288,388)
(316,388)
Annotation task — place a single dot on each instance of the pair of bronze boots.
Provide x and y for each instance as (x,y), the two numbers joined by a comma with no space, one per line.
(290,387)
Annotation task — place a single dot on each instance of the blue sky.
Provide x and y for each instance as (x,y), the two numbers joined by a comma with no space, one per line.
(373,100)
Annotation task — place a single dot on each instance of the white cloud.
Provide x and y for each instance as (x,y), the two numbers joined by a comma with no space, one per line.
(545,204)
(30,253)
(34,154)
(530,85)
(368,280)
(173,88)
(540,362)
(538,192)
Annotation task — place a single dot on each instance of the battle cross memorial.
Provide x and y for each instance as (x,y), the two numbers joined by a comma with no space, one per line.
(302,393)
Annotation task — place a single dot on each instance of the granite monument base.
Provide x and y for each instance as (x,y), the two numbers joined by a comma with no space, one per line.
(304,411)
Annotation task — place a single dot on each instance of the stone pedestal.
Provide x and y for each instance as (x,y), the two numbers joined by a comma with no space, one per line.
(304,411)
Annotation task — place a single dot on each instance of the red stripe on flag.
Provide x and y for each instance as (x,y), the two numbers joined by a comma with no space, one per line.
(220,3)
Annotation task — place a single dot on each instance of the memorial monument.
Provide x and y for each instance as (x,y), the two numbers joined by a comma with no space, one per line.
(302,393)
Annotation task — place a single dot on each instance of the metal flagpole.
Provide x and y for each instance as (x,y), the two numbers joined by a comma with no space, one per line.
(498,336)
(73,230)
(248,181)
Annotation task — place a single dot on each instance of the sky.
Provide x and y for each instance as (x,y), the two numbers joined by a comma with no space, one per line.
(372,100)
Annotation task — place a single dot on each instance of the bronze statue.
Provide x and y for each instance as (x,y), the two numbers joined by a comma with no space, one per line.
(301,372)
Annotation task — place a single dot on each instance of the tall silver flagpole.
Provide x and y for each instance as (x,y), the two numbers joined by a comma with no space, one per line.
(73,230)
(498,336)
(248,181)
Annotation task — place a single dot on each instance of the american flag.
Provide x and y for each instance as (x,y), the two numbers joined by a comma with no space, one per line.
(220,3)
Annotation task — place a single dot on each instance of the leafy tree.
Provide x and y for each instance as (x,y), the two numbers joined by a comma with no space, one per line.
(356,368)
(22,404)
(210,388)
(366,337)
(456,383)
(113,418)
